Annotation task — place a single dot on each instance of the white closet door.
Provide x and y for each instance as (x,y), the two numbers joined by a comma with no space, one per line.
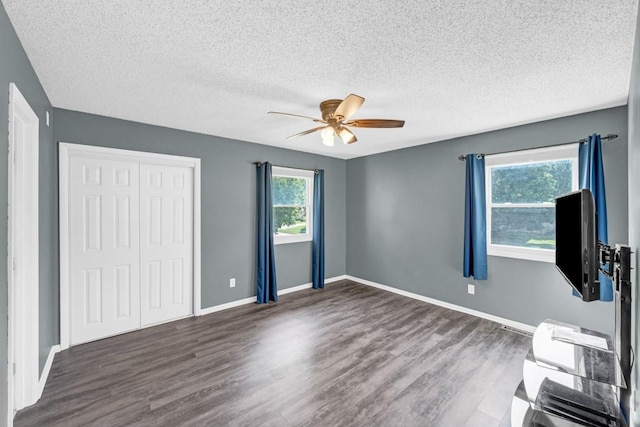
(166,242)
(105,248)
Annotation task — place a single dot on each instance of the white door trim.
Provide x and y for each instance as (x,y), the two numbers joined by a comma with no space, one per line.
(23,258)
(65,152)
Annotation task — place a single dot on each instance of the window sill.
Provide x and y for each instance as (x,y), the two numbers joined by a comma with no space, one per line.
(527,254)
(283,240)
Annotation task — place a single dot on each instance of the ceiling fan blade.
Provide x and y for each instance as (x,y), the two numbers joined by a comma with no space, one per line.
(298,116)
(375,123)
(346,135)
(348,106)
(306,132)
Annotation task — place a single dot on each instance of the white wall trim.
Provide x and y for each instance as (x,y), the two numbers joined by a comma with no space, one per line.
(65,151)
(64,242)
(336,279)
(483,315)
(144,156)
(197,237)
(310,285)
(295,289)
(225,306)
(63,234)
(501,320)
(47,368)
(23,254)
(250,300)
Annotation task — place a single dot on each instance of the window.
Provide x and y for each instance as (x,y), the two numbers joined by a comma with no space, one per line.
(521,191)
(292,193)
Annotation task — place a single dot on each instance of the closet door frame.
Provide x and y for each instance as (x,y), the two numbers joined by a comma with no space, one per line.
(65,152)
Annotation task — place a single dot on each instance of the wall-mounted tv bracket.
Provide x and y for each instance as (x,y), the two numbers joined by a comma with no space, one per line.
(615,263)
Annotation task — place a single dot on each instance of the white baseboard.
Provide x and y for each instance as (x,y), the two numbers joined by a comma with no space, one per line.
(487,316)
(309,285)
(294,289)
(226,306)
(335,279)
(47,367)
(250,300)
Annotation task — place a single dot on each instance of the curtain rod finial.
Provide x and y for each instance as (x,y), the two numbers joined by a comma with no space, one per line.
(462,157)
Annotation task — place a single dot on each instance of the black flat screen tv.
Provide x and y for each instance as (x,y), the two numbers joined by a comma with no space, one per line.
(577,243)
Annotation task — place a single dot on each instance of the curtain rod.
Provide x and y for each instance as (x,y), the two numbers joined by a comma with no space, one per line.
(288,167)
(581,141)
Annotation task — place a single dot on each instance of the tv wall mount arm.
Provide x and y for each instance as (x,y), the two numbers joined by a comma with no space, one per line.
(615,263)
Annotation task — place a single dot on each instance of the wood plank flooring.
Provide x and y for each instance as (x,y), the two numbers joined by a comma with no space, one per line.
(347,355)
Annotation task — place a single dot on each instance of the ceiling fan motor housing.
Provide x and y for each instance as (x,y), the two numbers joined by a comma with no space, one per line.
(328,108)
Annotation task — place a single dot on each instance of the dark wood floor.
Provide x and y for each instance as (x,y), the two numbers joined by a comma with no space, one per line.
(345,355)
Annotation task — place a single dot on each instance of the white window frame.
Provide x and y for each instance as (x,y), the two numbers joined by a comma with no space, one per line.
(296,173)
(548,154)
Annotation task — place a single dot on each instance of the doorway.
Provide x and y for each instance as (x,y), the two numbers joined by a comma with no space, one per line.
(23,250)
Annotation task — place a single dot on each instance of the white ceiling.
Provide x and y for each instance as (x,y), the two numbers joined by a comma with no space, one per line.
(449,68)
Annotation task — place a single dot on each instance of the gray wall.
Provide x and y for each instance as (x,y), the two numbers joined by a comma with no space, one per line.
(15,67)
(634,200)
(228,199)
(405,216)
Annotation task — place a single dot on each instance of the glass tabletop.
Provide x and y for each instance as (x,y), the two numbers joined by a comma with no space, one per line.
(577,351)
(555,405)
(534,374)
(536,418)
(577,406)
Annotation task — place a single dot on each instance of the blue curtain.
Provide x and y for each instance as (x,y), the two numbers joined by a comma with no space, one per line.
(475,221)
(318,230)
(266,274)
(591,176)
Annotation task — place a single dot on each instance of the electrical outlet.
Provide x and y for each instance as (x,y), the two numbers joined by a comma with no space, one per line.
(471,289)
(232,282)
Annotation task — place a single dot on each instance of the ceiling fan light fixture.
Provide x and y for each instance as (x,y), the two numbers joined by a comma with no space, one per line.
(327,135)
(335,113)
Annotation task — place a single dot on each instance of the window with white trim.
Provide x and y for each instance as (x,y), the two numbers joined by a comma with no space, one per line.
(292,195)
(521,188)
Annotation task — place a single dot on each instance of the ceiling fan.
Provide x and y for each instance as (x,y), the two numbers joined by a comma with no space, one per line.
(335,113)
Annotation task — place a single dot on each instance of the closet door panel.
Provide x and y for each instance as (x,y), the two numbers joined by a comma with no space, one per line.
(105,248)
(166,242)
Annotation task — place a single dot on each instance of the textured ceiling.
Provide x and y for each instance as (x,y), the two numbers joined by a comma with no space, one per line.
(449,68)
